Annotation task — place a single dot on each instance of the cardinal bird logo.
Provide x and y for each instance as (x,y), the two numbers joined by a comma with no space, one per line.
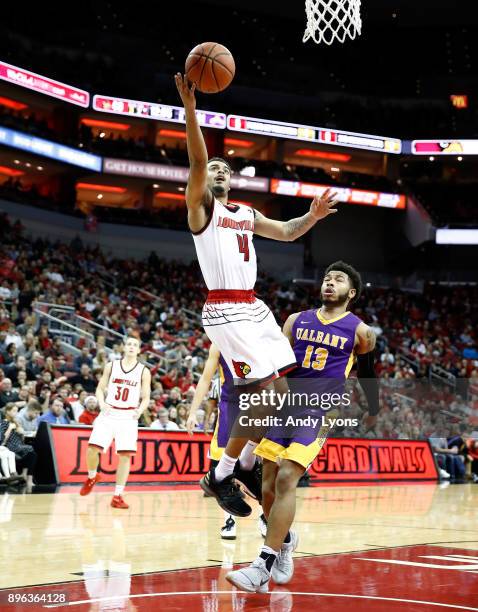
(241,368)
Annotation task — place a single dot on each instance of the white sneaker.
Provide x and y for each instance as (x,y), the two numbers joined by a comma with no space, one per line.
(444,474)
(262,525)
(228,532)
(254,579)
(475,477)
(283,568)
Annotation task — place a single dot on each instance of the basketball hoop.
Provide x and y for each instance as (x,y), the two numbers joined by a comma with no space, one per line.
(329,20)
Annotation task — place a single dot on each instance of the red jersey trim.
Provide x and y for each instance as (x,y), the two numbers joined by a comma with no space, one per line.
(208,220)
(118,408)
(231,295)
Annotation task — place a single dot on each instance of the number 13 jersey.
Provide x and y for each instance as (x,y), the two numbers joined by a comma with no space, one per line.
(225,247)
(124,386)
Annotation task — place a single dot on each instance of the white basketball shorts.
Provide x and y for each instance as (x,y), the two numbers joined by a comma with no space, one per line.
(249,339)
(117,425)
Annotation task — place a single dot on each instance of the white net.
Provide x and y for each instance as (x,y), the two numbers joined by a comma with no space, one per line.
(329,20)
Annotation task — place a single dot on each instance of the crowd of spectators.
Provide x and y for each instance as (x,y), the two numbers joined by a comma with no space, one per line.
(42,378)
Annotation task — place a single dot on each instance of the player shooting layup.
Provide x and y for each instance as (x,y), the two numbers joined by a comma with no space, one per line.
(240,325)
(123,395)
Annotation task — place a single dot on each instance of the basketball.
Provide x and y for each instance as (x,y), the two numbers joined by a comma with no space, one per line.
(211,66)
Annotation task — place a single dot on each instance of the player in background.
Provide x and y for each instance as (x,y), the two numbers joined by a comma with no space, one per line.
(241,326)
(247,467)
(123,395)
(325,342)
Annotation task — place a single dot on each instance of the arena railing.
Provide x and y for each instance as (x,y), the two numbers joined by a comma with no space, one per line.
(146,296)
(438,373)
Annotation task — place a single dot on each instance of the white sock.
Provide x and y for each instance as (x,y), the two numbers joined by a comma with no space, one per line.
(247,458)
(119,489)
(225,467)
(91,473)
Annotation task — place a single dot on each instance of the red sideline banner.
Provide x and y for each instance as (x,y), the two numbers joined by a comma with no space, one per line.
(343,460)
(167,457)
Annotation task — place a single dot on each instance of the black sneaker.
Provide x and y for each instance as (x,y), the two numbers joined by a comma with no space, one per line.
(251,480)
(227,494)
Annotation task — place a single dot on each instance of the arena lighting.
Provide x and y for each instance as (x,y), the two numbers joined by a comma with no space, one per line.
(109,125)
(13,104)
(456,236)
(106,188)
(167,195)
(342,157)
(238,142)
(10,171)
(248,171)
(173,134)
(459,100)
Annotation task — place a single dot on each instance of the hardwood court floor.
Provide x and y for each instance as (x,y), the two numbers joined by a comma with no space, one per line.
(382,548)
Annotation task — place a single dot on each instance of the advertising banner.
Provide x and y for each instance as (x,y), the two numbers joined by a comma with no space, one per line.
(308,133)
(167,457)
(44,85)
(159,112)
(47,148)
(178,174)
(344,194)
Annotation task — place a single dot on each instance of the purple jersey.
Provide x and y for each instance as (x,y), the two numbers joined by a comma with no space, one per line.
(226,379)
(324,348)
(228,405)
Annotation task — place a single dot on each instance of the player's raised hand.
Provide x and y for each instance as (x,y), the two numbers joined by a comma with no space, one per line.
(324,205)
(191,423)
(186,90)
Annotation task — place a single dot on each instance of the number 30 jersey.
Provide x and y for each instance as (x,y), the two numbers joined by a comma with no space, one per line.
(225,248)
(124,387)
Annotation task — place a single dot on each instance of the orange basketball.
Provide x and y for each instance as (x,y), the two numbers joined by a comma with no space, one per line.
(211,66)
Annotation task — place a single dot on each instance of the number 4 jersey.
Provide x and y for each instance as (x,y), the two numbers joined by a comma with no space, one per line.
(124,386)
(225,249)
(324,348)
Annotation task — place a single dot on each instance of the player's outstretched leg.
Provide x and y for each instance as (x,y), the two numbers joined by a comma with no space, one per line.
(92,460)
(275,558)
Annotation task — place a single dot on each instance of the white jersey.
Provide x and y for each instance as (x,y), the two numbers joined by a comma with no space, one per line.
(225,248)
(124,387)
